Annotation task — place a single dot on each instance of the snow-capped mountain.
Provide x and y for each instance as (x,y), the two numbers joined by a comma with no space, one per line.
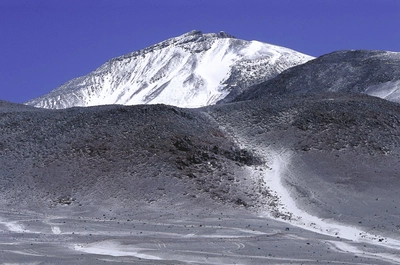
(191,70)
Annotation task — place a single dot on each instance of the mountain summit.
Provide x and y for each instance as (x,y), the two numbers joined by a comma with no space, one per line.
(191,70)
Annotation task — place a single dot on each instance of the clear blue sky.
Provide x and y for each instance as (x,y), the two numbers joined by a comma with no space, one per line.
(44,43)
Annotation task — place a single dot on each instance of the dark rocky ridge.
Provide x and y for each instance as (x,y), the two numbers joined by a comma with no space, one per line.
(356,71)
(185,41)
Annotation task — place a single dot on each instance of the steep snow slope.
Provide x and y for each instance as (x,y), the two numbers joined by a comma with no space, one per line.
(375,73)
(191,70)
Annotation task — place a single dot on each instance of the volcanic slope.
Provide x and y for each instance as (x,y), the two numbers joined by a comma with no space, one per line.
(203,185)
(376,73)
(337,154)
(118,157)
(190,70)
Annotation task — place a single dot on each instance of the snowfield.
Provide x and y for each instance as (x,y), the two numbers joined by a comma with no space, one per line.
(192,70)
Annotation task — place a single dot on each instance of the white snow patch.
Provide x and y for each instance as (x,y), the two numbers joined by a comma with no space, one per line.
(388,90)
(14,226)
(115,249)
(56,230)
(215,64)
(346,247)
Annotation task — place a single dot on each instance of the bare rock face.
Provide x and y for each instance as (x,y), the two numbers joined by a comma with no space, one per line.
(191,70)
